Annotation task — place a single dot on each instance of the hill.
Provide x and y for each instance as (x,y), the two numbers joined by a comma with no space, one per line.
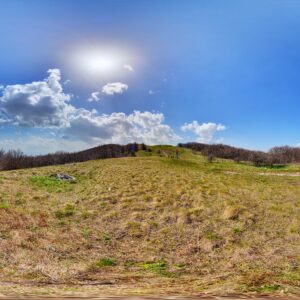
(151,224)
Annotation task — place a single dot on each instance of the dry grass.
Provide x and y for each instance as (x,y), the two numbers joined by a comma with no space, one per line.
(151,224)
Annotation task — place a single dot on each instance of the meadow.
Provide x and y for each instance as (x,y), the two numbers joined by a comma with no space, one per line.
(151,224)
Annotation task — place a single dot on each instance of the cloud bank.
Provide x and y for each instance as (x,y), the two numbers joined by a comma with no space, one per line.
(43,104)
(141,127)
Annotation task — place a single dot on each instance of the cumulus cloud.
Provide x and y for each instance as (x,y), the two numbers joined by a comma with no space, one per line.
(114,88)
(128,67)
(95,96)
(38,104)
(44,104)
(109,89)
(205,132)
(143,127)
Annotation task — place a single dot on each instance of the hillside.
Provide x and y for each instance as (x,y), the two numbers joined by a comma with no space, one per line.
(151,224)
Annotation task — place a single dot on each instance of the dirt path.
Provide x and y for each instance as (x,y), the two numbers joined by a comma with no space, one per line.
(265,174)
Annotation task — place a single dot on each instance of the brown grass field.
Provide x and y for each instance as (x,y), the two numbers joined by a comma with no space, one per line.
(151,225)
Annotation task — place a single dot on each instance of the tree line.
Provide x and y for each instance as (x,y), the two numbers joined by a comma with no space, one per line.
(15,159)
(275,156)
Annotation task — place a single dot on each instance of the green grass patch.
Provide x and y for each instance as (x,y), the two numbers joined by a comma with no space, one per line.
(105,262)
(51,184)
(158,267)
(4,204)
(269,288)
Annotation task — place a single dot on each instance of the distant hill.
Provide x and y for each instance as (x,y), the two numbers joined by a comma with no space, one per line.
(14,159)
(276,155)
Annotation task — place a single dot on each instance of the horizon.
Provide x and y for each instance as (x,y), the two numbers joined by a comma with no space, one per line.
(179,145)
(75,75)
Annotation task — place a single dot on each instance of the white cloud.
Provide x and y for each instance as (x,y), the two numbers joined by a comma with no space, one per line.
(143,127)
(205,132)
(43,104)
(38,104)
(128,67)
(95,96)
(114,88)
(1,87)
(88,129)
(150,92)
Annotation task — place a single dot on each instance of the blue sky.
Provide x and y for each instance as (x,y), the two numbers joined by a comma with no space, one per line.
(160,72)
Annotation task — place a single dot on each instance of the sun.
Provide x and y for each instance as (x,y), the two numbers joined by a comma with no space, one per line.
(97,61)
(87,64)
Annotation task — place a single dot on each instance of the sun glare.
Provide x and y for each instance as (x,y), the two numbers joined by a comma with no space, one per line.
(97,61)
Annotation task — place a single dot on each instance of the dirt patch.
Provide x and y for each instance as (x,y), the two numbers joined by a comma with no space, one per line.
(265,174)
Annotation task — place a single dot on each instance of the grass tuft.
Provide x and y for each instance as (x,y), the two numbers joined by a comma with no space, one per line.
(159,267)
(68,211)
(105,262)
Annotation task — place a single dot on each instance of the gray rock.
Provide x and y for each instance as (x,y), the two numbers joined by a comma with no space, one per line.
(62,176)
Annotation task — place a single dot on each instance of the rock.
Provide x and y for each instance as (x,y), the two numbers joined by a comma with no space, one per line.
(62,176)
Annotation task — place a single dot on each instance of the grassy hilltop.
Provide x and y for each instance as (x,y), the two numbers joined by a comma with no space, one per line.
(151,224)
